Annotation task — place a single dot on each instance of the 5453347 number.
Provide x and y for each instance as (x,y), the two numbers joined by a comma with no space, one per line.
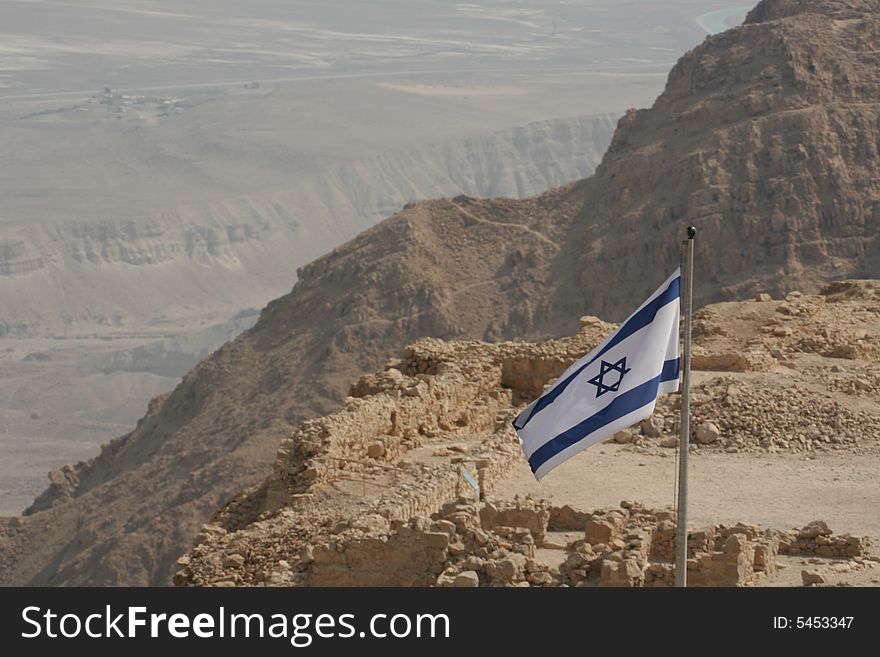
(813,622)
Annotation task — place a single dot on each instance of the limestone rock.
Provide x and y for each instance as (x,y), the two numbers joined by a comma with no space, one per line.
(811,577)
(541,578)
(814,529)
(600,530)
(466,579)
(707,433)
(511,568)
(651,427)
(623,437)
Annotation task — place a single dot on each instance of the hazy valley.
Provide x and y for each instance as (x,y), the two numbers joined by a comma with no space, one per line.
(166,170)
(113,312)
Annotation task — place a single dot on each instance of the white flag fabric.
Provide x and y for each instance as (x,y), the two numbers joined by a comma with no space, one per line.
(609,389)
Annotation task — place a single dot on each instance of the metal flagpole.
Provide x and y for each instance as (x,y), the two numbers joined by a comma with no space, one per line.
(681,533)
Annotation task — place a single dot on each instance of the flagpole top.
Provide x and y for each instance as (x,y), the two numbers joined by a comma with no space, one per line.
(692,232)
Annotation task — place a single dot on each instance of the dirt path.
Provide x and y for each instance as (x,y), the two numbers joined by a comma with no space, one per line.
(526,229)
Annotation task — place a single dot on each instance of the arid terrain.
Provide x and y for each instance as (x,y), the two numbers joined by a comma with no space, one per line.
(166,167)
(101,314)
(786,413)
(765,138)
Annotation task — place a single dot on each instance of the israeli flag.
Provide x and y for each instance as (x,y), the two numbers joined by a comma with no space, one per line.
(609,389)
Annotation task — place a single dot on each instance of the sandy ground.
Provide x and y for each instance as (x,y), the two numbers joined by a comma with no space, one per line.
(772,490)
(779,491)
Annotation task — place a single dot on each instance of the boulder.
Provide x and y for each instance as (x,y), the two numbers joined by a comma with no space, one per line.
(707,433)
(444,526)
(651,427)
(623,437)
(599,530)
(541,578)
(511,568)
(814,529)
(811,577)
(467,579)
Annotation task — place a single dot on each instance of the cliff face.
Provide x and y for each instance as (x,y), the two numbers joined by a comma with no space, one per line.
(769,10)
(765,138)
(193,260)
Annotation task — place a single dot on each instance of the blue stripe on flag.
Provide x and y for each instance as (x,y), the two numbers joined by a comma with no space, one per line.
(623,404)
(638,321)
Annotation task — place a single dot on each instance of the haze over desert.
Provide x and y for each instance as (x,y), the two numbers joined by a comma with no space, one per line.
(276,280)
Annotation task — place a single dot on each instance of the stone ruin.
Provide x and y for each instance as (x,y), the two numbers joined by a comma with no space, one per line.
(468,543)
(362,496)
(406,430)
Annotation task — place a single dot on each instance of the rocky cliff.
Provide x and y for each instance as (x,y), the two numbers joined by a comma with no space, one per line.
(189,261)
(766,138)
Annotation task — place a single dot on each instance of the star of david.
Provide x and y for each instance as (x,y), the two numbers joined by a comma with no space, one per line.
(606,367)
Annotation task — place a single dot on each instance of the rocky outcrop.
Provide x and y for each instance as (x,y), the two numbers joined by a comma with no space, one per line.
(765,139)
(17,259)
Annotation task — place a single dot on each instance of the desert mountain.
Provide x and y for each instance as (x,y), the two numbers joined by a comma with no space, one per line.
(766,138)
